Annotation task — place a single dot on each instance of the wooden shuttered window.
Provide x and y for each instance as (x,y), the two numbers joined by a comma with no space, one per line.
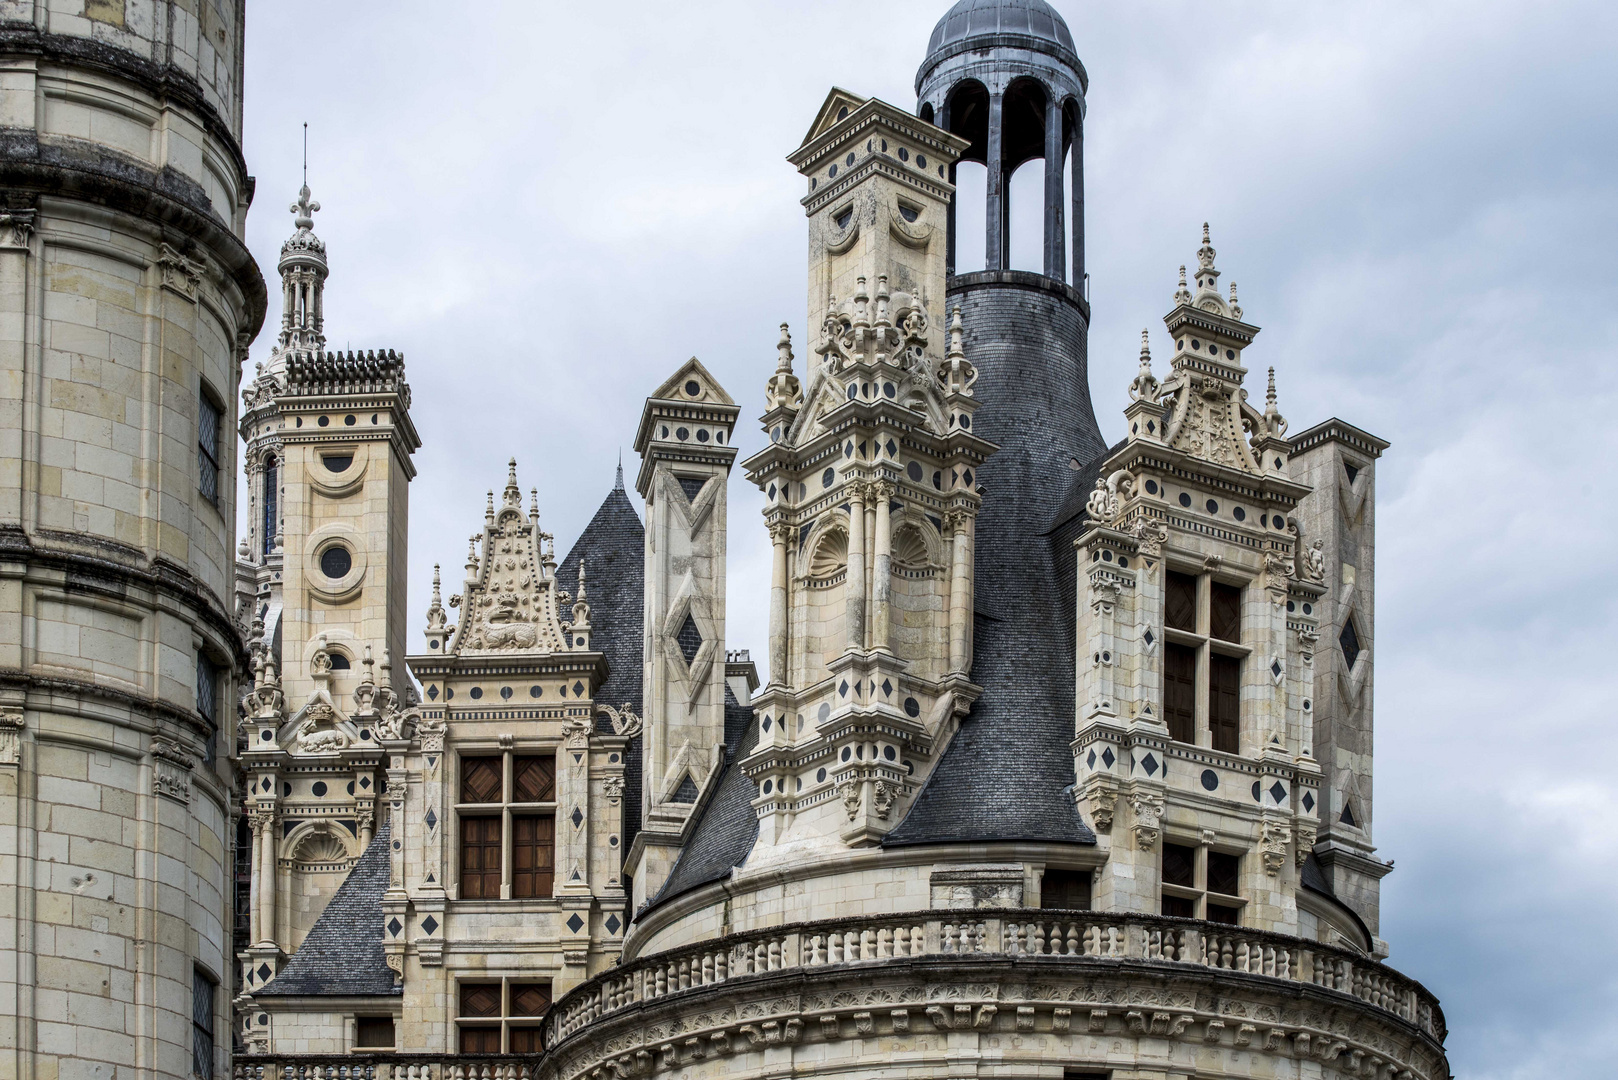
(480,858)
(533,855)
(480,780)
(1180,692)
(1180,602)
(1225,612)
(1065,889)
(1224,702)
(533,779)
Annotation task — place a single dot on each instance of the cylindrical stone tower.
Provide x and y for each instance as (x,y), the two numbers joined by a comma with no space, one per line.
(127,301)
(1004,75)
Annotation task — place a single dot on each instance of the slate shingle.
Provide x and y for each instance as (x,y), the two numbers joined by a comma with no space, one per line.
(342,953)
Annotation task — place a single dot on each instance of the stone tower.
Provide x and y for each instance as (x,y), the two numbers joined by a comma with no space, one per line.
(686,449)
(1033,787)
(127,302)
(328,441)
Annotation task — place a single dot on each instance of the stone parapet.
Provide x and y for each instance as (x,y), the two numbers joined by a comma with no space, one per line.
(1071,975)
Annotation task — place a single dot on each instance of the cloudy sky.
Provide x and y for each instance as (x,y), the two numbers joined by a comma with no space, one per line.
(548,208)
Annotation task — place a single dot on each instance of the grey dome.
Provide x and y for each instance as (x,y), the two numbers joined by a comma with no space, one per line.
(988,18)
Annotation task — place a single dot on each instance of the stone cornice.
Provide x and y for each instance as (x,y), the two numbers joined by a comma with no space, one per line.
(164,82)
(1335,430)
(114,568)
(175,204)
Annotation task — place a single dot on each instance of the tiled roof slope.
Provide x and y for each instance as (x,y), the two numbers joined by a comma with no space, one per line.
(613,549)
(343,953)
(727,826)
(1007,773)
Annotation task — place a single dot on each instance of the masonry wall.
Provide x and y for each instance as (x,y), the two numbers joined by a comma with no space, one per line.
(127,299)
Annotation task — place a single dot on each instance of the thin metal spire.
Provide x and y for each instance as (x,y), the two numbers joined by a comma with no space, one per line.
(306,153)
(619,485)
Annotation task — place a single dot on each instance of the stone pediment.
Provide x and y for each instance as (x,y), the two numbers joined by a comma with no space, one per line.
(510,603)
(838,106)
(678,387)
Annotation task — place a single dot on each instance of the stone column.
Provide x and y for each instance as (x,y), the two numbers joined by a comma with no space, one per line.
(960,592)
(780,533)
(994,241)
(882,590)
(870,565)
(1055,248)
(1078,201)
(266,880)
(255,931)
(854,582)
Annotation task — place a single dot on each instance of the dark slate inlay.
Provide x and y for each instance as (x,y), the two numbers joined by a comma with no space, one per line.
(574,923)
(692,486)
(1278,791)
(689,639)
(1150,764)
(394,926)
(1108,757)
(1309,801)
(1350,641)
(686,792)
(431,819)
(430,925)
(577,817)
(1210,780)
(613,924)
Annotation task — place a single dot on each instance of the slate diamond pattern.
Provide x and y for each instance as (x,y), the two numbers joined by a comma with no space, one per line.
(1150,764)
(394,926)
(689,639)
(1277,792)
(1107,756)
(1309,801)
(430,925)
(432,818)
(613,924)
(577,817)
(574,923)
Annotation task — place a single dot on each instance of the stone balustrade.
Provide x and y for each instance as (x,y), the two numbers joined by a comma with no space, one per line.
(386,1066)
(1016,935)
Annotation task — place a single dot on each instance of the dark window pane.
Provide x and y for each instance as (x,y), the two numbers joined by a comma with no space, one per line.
(335,561)
(534,779)
(530,999)
(525,1040)
(1224,702)
(1222,914)
(1224,873)
(480,1040)
(373,1031)
(1350,641)
(1068,889)
(1225,612)
(1180,692)
(1179,865)
(202,995)
(533,855)
(336,462)
(480,999)
(1180,602)
(208,449)
(1180,907)
(480,779)
(272,499)
(480,861)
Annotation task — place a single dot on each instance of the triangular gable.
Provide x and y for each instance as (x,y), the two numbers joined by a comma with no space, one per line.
(709,390)
(832,112)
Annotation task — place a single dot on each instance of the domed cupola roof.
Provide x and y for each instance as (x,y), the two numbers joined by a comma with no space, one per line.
(972,19)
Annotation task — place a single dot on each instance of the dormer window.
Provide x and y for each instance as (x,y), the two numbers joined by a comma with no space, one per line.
(1202,661)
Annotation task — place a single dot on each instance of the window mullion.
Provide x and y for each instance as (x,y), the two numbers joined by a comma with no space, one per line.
(506,794)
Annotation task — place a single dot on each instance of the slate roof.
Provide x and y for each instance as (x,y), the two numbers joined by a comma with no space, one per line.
(613,549)
(1008,771)
(726,826)
(342,955)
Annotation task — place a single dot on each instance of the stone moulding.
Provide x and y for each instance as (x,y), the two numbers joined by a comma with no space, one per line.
(1012,969)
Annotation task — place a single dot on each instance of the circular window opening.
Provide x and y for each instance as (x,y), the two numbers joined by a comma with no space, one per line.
(682,434)
(477,692)
(336,562)
(1185,499)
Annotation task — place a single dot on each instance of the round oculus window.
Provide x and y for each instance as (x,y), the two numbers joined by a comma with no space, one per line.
(336,562)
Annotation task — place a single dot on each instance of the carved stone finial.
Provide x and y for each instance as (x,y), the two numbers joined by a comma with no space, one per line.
(1205,254)
(782,391)
(955,334)
(435,611)
(1145,386)
(513,493)
(1235,308)
(1182,295)
(304,209)
(488,512)
(472,553)
(1274,423)
(618,485)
